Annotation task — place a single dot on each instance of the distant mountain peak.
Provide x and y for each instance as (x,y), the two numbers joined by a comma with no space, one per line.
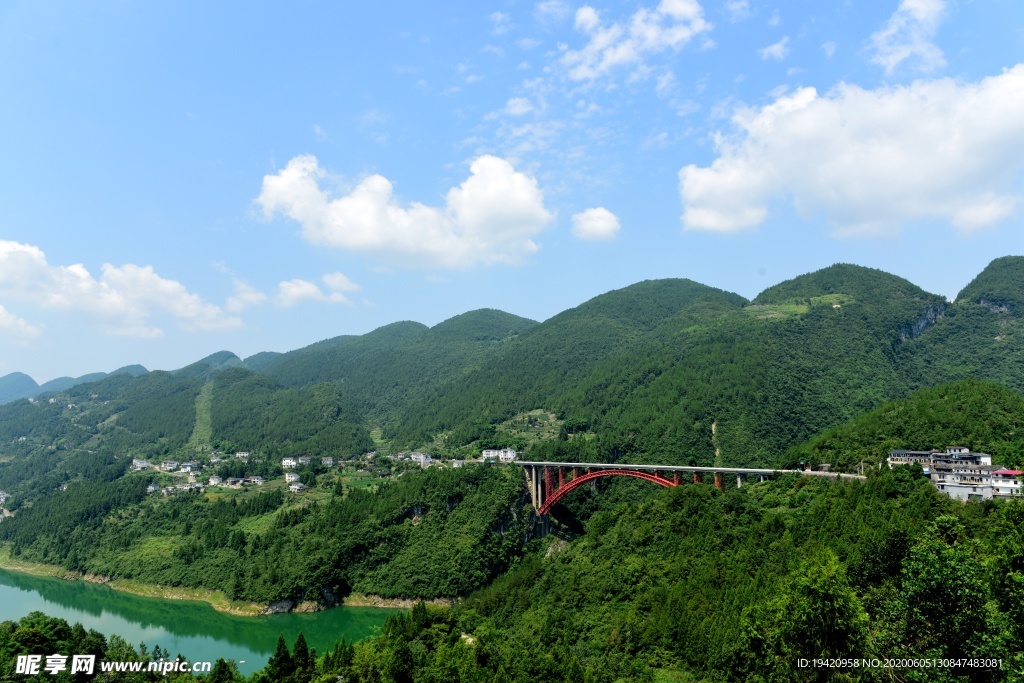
(999,287)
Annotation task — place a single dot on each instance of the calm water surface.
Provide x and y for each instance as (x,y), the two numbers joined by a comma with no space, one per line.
(192,629)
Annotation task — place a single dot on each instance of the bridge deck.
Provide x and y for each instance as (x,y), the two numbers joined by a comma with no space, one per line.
(689,468)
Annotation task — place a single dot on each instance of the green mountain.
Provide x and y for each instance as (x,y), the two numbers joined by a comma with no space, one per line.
(637,582)
(14,385)
(981,334)
(685,374)
(18,385)
(984,416)
(667,371)
(384,370)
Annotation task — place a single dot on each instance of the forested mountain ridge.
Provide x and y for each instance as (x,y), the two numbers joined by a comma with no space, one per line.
(19,385)
(385,369)
(665,371)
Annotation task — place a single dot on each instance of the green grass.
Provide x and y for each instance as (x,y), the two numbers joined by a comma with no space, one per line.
(776,311)
(535,425)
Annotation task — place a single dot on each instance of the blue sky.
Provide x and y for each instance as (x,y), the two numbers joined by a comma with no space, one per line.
(180,178)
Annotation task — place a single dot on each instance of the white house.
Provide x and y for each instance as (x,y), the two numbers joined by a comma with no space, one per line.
(305,460)
(289,477)
(169,465)
(215,480)
(288,463)
(327,461)
(297,487)
(502,455)
(422,458)
(242,455)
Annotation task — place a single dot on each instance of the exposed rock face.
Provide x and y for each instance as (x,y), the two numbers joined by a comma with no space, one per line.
(926,320)
(279,607)
(994,307)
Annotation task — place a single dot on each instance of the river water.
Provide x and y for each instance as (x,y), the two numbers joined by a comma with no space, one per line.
(192,629)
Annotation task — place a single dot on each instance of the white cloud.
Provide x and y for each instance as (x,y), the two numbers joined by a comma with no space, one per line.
(908,34)
(517,106)
(595,225)
(339,282)
(245,296)
(776,51)
(527,43)
(738,9)
(293,292)
(122,299)
(500,23)
(670,26)
(552,10)
(666,84)
(774,19)
(829,48)
(869,160)
(490,218)
(18,329)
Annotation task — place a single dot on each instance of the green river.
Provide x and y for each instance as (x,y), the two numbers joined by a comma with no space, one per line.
(192,629)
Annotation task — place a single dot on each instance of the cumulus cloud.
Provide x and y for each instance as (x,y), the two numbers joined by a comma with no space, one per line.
(518,106)
(908,34)
(339,282)
(490,218)
(293,292)
(13,327)
(595,225)
(245,296)
(552,10)
(123,299)
(738,9)
(500,22)
(868,160)
(669,26)
(776,51)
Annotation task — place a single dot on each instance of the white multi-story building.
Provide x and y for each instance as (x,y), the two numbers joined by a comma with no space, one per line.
(289,477)
(953,455)
(961,474)
(501,455)
(288,463)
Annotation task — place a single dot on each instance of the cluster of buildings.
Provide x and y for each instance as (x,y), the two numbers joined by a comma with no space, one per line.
(423,459)
(292,463)
(176,488)
(962,474)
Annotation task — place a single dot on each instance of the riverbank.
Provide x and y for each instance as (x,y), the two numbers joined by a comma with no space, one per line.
(216,599)
(362,600)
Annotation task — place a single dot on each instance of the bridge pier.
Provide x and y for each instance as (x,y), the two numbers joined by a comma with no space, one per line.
(718,481)
(696,477)
(739,481)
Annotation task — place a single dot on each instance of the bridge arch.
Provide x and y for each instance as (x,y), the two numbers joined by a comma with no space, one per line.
(567,487)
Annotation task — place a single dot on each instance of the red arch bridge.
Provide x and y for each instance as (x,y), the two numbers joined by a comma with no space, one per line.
(549,482)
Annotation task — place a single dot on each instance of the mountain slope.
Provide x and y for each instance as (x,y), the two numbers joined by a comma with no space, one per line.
(981,334)
(384,370)
(15,385)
